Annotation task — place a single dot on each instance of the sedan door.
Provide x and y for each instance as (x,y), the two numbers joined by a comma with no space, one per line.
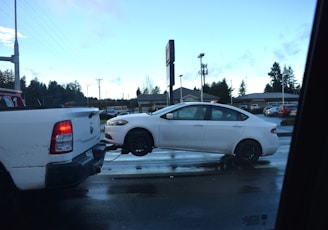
(184,130)
(223,130)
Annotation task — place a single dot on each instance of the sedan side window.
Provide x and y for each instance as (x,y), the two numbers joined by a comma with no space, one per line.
(224,114)
(190,113)
(216,114)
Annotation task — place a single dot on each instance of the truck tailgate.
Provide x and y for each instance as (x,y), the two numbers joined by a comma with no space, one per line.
(86,129)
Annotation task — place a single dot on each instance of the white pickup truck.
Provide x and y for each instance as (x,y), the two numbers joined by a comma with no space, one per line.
(47,148)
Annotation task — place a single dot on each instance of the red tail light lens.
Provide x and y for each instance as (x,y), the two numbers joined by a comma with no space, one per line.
(62,138)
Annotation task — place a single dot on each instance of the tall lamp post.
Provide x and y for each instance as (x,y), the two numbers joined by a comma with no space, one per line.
(283,89)
(200,56)
(15,58)
(203,71)
(88,95)
(181,88)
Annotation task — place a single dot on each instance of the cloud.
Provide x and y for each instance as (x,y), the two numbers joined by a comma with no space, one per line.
(105,9)
(34,73)
(92,6)
(279,54)
(116,81)
(294,45)
(7,36)
(245,59)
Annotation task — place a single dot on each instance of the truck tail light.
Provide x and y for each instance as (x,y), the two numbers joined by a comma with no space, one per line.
(62,138)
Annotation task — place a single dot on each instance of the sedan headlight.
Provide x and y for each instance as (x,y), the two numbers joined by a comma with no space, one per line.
(117,122)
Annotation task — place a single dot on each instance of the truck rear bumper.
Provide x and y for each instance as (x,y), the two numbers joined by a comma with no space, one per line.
(60,175)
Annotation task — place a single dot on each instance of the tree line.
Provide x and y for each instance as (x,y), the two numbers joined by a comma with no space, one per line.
(278,79)
(39,94)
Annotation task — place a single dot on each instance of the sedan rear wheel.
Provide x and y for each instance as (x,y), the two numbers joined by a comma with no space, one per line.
(248,151)
(139,142)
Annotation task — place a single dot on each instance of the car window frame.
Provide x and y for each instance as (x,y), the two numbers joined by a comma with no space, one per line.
(304,192)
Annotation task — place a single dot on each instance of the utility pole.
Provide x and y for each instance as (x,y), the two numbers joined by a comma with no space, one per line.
(99,86)
(15,58)
(283,89)
(200,56)
(181,88)
(231,92)
(88,95)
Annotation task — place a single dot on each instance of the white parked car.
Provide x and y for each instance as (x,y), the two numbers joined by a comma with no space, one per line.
(195,126)
(255,106)
(272,111)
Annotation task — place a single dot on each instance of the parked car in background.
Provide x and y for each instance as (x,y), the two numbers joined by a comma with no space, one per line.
(293,112)
(266,107)
(284,110)
(195,126)
(254,106)
(111,111)
(10,98)
(244,107)
(272,111)
(123,113)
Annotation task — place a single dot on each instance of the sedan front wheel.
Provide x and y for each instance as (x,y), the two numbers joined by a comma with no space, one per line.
(139,142)
(248,151)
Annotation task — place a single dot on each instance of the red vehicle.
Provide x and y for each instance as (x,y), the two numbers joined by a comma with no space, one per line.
(284,110)
(11,98)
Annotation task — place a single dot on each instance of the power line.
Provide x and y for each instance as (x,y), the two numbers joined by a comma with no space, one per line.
(54,36)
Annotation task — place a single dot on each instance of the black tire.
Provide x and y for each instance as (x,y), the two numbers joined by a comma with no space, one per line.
(248,151)
(139,142)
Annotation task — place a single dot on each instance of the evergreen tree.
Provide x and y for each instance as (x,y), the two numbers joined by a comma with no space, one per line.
(285,79)
(56,94)
(73,95)
(221,90)
(7,79)
(35,94)
(225,94)
(276,79)
(155,90)
(289,81)
(242,89)
(138,92)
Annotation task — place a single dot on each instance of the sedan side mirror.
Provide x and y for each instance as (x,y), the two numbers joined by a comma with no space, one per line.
(169,116)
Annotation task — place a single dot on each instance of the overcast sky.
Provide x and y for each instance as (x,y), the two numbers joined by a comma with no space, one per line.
(121,43)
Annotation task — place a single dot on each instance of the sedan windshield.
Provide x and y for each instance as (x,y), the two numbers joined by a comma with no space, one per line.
(166,109)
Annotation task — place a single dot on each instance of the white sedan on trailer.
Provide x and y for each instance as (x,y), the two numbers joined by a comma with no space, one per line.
(195,126)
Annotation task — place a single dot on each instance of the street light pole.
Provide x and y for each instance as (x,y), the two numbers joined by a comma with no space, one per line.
(99,86)
(88,95)
(283,93)
(15,58)
(200,56)
(16,55)
(181,88)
